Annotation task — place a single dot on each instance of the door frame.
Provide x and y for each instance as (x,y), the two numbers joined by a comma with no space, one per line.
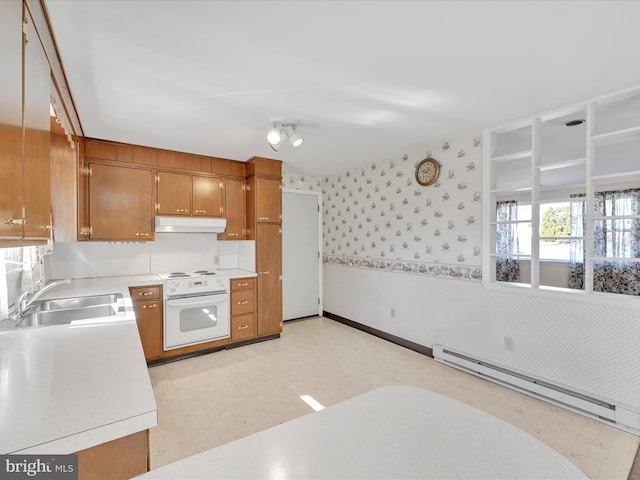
(319,197)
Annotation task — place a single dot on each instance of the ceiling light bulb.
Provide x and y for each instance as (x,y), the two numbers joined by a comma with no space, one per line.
(296,140)
(273,137)
(294,137)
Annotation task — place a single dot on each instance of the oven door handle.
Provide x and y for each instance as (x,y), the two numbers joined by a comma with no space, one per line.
(197,301)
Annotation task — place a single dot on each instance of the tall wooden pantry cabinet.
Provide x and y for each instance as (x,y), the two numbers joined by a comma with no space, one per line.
(264,225)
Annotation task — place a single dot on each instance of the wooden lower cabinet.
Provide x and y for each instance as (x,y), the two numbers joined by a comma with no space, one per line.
(269,268)
(123,458)
(243,320)
(147,305)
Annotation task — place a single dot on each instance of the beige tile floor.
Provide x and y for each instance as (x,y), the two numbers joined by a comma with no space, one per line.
(213,399)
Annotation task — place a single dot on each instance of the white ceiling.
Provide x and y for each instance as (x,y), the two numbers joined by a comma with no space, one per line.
(367,80)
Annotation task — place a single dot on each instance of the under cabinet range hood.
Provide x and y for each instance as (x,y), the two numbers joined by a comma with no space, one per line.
(190,225)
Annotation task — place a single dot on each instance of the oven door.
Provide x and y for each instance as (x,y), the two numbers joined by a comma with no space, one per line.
(188,321)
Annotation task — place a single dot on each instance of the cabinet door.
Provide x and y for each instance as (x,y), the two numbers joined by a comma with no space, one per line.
(149,319)
(174,194)
(11,118)
(234,207)
(207,196)
(269,267)
(120,203)
(268,200)
(36,160)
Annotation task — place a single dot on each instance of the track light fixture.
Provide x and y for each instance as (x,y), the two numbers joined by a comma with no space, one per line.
(280,131)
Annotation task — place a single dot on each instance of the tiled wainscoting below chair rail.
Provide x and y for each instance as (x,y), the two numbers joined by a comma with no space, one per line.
(213,399)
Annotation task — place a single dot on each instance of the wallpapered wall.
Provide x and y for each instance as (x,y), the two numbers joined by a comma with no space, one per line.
(379,217)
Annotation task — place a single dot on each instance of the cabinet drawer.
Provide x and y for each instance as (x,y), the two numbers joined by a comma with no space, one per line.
(145,293)
(241,283)
(242,327)
(241,302)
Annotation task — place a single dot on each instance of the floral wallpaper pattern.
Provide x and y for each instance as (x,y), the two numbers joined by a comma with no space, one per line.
(378,217)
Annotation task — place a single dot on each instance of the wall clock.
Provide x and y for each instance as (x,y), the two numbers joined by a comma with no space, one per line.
(427,171)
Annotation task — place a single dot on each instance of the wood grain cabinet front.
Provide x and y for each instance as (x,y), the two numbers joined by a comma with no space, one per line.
(243,320)
(235,210)
(147,306)
(189,195)
(120,203)
(25,86)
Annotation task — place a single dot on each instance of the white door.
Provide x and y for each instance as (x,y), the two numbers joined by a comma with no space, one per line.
(301,246)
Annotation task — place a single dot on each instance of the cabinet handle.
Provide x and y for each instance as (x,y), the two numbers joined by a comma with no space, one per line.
(142,234)
(243,302)
(155,305)
(263,218)
(182,210)
(17,221)
(233,234)
(243,327)
(266,272)
(243,284)
(145,294)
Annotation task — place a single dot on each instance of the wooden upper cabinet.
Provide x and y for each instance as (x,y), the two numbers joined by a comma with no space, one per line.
(235,209)
(207,196)
(120,203)
(11,119)
(25,82)
(190,195)
(268,200)
(37,139)
(174,194)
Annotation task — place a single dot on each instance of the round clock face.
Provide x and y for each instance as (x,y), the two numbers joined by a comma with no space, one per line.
(427,171)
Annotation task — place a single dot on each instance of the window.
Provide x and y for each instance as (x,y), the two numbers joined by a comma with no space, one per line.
(574,178)
(20,268)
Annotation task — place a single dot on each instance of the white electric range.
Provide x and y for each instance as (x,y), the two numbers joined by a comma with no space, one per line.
(196,307)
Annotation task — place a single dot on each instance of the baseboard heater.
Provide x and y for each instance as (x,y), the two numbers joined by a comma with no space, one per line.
(616,415)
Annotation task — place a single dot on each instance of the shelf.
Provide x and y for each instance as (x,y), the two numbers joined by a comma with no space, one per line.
(510,190)
(512,156)
(613,136)
(625,176)
(617,112)
(546,158)
(562,164)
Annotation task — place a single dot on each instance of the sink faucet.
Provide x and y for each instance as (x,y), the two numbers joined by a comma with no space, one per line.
(23,302)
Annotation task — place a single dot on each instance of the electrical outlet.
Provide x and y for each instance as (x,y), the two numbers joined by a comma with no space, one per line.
(393,313)
(508,343)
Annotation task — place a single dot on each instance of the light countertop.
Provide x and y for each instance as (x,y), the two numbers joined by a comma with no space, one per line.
(392,432)
(237,273)
(65,388)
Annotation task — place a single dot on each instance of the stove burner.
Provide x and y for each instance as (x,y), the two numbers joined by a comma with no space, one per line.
(178,275)
(204,272)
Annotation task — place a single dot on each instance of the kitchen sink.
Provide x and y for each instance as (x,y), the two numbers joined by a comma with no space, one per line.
(78,302)
(66,310)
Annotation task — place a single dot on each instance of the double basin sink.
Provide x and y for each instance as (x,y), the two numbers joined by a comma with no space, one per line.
(66,310)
